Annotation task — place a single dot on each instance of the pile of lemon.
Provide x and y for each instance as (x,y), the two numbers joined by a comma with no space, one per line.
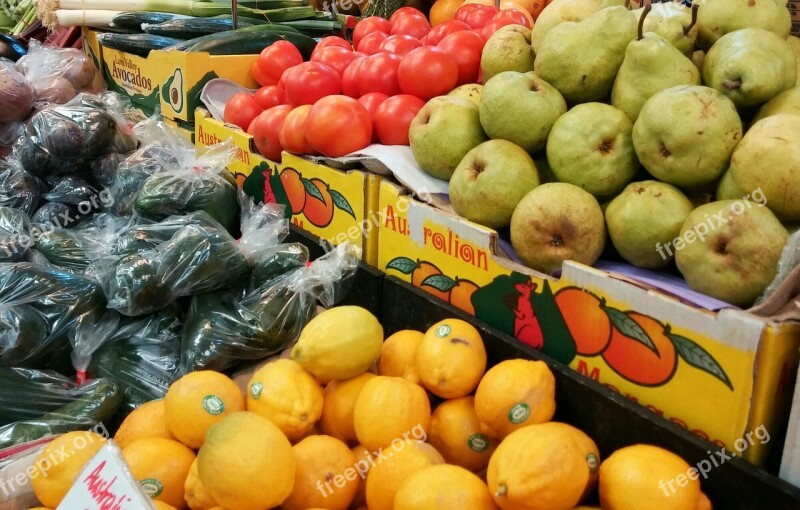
(346,422)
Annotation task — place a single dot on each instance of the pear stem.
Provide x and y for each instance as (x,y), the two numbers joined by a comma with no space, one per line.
(647,9)
(688,29)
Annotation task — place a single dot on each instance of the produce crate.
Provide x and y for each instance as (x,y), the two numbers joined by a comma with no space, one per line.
(91,46)
(794,8)
(719,374)
(171,80)
(186,129)
(335,205)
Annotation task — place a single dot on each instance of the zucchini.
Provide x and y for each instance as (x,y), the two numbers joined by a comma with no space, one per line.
(192,27)
(137,44)
(134,20)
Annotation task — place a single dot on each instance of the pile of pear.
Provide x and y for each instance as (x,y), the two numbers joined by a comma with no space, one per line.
(667,134)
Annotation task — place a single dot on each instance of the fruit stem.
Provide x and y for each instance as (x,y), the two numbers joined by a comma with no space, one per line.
(497,4)
(501,491)
(688,29)
(732,84)
(647,9)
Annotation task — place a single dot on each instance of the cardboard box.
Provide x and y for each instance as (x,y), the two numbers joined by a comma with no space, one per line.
(185,129)
(794,8)
(720,374)
(790,462)
(171,80)
(334,205)
(91,46)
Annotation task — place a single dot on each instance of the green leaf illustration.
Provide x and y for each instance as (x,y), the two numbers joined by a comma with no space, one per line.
(630,328)
(403,264)
(439,282)
(313,190)
(699,358)
(341,203)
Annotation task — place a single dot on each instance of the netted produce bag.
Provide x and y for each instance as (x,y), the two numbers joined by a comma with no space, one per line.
(226,328)
(39,308)
(37,404)
(59,74)
(66,139)
(200,256)
(18,188)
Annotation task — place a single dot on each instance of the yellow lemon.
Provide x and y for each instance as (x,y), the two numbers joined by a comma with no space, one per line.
(390,409)
(451,358)
(326,475)
(393,466)
(546,466)
(60,463)
(513,394)
(456,433)
(147,420)
(339,343)
(197,401)
(247,463)
(286,394)
(337,409)
(161,467)
(645,476)
(196,496)
(160,505)
(443,487)
(399,355)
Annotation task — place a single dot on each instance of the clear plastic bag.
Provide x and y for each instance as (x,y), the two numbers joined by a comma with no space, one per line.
(16,94)
(66,139)
(14,239)
(59,74)
(224,329)
(18,188)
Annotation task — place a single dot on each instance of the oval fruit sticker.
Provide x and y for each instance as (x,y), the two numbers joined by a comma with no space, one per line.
(519,413)
(213,404)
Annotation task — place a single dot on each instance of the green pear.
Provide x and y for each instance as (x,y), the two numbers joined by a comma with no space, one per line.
(719,17)
(643,219)
(470,91)
(750,66)
(685,135)
(785,102)
(674,22)
(556,222)
(559,11)
(443,132)
(768,160)
(727,189)
(590,146)
(508,49)
(490,181)
(651,65)
(581,59)
(794,42)
(730,250)
(698,57)
(511,100)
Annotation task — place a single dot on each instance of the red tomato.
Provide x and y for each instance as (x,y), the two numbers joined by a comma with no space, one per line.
(268,96)
(336,57)
(444,29)
(400,44)
(350,78)
(427,72)
(371,43)
(331,41)
(371,102)
(275,59)
(378,73)
(465,48)
(517,17)
(310,81)
(332,116)
(292,135)
(393,118)
(258,74)
(405,11)
(493,26)
(464,10)
(479,16)
(415,26)
(266,129)
(241,109)
(369,25)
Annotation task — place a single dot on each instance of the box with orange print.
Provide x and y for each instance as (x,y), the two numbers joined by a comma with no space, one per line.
(334,205)
(718,373)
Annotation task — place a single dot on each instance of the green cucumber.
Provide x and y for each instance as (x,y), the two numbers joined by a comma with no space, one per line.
(192,27)
(206,39)
(251,41)
(134,20)
(137,44)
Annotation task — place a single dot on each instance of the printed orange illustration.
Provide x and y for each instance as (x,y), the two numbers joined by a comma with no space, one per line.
(295,191)
(430,278)
(461,295)
(638,362)
(318,204)
(586,320)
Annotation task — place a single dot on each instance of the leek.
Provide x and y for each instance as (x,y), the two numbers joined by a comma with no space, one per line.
(88,18)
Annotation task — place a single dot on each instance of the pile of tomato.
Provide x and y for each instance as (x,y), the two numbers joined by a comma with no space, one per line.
(348,96)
